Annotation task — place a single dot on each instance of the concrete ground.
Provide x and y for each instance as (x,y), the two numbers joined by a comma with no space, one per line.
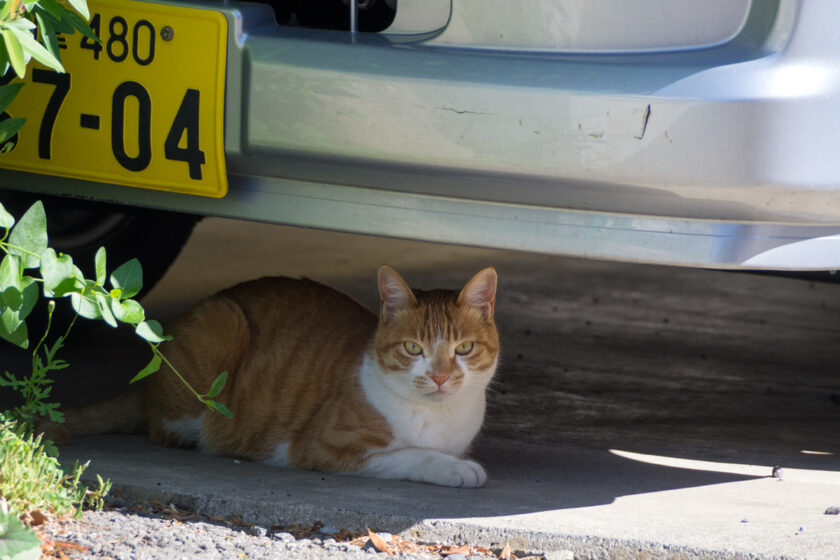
(639,411)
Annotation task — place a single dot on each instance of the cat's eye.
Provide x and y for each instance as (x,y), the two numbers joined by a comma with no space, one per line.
(413,348)
(464,348)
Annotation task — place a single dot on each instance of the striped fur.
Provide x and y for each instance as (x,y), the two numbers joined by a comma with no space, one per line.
(317,381)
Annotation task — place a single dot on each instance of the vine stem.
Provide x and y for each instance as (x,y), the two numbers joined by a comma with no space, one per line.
(43,338)
(70,326)
(6,245)
(164,359)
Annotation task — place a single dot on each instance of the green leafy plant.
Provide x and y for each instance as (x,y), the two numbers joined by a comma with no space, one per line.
(30,476)
(107,297)
(22,22)
(19,20)
(33,480)
(35,388)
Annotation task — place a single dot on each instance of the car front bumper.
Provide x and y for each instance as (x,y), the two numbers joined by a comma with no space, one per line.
(720,157)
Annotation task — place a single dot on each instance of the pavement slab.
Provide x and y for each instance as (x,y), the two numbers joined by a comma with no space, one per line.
(598,503)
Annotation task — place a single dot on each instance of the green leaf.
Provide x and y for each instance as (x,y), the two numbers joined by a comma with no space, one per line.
(58,273)
(84,306)
(21,24)
(8,93)
(6,10)
(15,52)
(10,276)
(50,351)
(56,365)
(9,127)
(10,381)
(220,408)
(35,49)
(81,7)
(128,277)
(10,321)
(151,368)
(18,337)
(51,8)
(6,219)
(56,416)
(30,235)
(47,29)
(92,289)
(151,331)
(11,292)
(5,64)
(101,271)
(77,22)
(105,310)
(30,296)
(218,385)
(11,298)
(16,541)
(58,23)
(128,311)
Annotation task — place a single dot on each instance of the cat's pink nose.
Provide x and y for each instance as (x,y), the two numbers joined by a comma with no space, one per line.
(439,379)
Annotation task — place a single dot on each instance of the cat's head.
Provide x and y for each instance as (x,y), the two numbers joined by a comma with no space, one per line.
(434,345)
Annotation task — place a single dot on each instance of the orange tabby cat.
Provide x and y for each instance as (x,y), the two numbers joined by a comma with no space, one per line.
(317,381)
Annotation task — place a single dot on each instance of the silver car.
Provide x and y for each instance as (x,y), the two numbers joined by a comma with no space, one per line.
(690,132)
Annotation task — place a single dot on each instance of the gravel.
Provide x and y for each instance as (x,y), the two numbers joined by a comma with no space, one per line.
(129,535)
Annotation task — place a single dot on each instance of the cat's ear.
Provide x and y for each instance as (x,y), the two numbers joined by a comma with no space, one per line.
(394,293)
(480,292)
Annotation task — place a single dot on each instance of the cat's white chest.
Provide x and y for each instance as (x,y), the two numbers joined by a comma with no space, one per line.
(447,427)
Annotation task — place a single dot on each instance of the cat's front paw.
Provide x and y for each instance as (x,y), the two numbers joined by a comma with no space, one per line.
(425,465)
(460,473)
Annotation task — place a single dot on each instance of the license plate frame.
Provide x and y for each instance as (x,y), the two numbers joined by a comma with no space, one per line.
(144,108)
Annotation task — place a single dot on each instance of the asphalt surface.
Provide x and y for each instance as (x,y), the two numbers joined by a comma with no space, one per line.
(639,410)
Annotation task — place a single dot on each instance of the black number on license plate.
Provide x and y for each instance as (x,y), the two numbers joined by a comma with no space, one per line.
(137,40)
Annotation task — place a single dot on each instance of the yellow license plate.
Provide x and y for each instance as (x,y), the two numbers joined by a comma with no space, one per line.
(145,108)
